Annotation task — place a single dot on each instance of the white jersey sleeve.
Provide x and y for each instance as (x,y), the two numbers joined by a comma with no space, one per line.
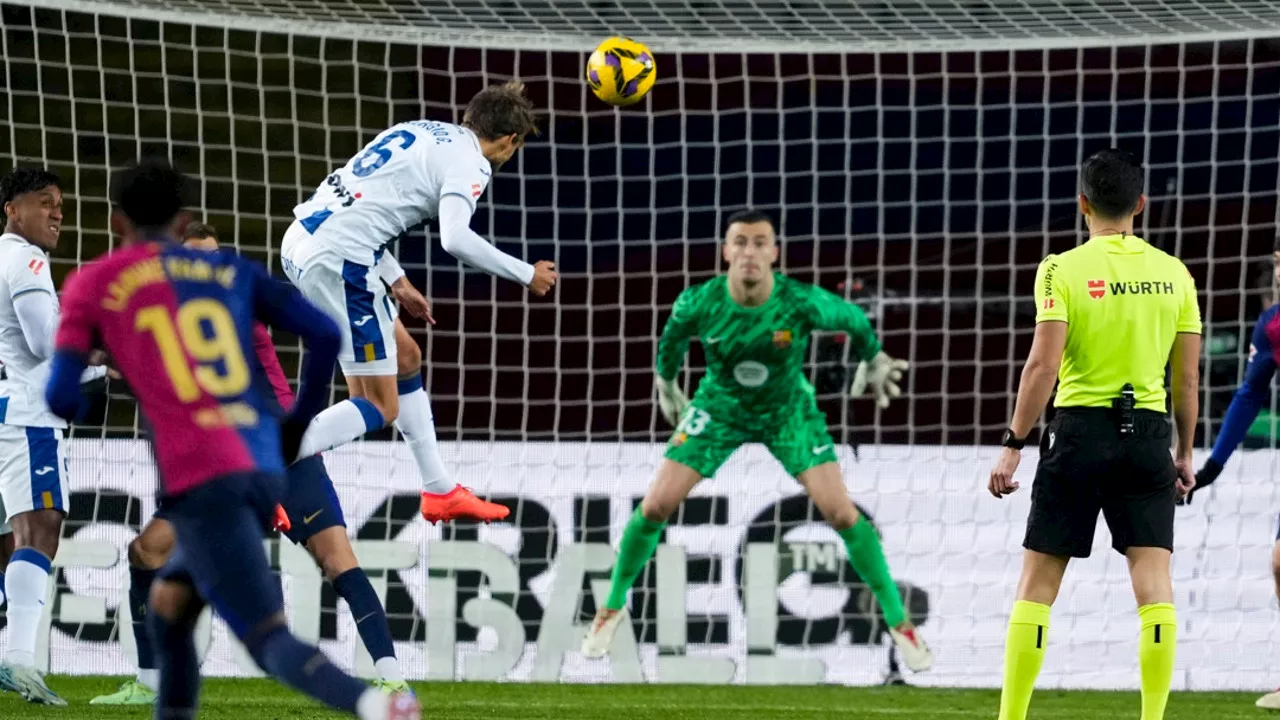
(467,180)
(24,271)
(390,186)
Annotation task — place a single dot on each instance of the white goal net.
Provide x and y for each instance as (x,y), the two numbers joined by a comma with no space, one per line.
(919,157)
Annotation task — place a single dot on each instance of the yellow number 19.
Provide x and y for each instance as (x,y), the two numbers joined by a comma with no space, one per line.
(189,338)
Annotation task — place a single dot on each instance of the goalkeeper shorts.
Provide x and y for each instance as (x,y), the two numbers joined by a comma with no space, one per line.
(704,440)
(1087,467)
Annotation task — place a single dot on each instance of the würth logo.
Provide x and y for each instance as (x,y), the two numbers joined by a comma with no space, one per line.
(476,190)
(1048,303)
(36,266)
(1097,289)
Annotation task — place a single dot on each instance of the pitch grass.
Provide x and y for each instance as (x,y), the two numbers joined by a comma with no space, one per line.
(265,700)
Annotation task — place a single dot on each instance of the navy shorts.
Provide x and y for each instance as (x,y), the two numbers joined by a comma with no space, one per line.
(219,530)
(310,500)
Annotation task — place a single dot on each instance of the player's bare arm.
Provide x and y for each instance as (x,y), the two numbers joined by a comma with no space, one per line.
(1184,362)
(1038,377)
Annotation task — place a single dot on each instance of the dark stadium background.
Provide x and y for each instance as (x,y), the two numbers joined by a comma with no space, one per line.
(949,171)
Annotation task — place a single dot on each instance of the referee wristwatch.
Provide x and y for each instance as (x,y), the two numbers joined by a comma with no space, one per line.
(1013,441)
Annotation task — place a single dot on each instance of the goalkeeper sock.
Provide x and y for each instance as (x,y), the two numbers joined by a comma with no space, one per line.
(419,429)
(639,541)
(339,425)
(1023,655)
(1156,646)
(866,555)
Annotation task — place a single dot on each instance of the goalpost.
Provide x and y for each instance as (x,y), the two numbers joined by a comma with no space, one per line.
(920,157)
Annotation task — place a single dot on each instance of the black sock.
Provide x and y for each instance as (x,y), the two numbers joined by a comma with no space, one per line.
(371,620)
(175,648)
(303,667)
(139,590)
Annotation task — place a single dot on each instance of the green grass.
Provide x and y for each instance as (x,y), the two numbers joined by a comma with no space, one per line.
(264,700)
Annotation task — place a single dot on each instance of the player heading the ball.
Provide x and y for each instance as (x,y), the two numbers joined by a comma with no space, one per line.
(755,324)
(336,253)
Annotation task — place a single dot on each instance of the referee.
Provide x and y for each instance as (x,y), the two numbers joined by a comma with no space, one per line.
(1110,315)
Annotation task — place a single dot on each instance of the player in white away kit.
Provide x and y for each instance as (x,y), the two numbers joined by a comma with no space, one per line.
(33,456)
(335,253)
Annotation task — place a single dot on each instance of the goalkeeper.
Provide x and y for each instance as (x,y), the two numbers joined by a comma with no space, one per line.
(755,326)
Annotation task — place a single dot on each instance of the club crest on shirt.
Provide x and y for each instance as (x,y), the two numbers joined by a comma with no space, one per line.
(1097,289)
(782,339)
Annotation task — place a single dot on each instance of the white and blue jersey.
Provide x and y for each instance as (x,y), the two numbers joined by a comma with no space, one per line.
(393,184)
(335,251)
(33,459)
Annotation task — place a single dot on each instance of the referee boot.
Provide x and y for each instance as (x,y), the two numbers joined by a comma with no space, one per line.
(460,504)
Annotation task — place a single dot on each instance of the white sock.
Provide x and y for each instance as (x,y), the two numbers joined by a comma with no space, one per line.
(149,677)
(26,583)
(339,425)
(389,669)
(373,705)
(419,429)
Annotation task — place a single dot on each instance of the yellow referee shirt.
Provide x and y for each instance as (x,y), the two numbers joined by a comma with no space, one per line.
(1123,302)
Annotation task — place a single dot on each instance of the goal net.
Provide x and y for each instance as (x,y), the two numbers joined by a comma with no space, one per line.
(919,157)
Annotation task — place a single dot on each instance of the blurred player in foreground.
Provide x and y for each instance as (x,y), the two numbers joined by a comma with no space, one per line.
(33,456)
(178,323)
(755,326)
(336,253)
(1254,393)
(313,518)
(1111,314)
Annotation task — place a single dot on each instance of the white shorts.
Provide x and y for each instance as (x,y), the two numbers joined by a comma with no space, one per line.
(33,470)
(350,293)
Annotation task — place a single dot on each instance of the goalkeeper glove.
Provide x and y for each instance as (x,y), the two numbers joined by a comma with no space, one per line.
(1204,478)
(671,399)
(881,374)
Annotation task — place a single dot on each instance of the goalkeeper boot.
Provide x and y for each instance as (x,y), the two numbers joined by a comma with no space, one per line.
(29,683)
(1270,701)
(460,504)
(916,654)
(600,635)
(131,692)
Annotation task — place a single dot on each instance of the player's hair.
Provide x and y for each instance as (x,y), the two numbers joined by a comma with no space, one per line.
(199,230)
(1111,180)
(750,215)
(150,194)
(501,110)
(22,180)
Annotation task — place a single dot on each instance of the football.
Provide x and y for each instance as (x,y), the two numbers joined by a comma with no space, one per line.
(621,71)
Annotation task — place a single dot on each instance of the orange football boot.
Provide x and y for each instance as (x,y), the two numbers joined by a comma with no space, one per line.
(281,523)
(460,504)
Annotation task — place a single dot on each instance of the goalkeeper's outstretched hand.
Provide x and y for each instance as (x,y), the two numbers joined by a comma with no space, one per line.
(1204,478)
(671,399)
(881,374)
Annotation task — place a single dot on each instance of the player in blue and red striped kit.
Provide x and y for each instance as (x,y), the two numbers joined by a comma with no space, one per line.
(178,324)
(317,524)
(1254,393)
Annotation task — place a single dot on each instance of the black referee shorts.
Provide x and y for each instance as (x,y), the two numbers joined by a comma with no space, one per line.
(1086,467)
